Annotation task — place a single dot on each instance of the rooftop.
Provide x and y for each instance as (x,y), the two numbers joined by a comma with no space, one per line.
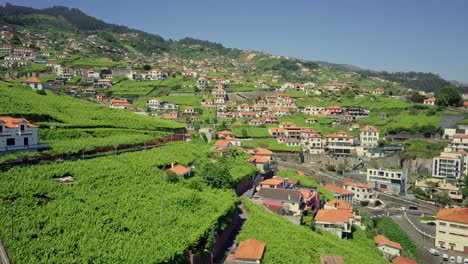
(459,215)
(382,240)
(250,249)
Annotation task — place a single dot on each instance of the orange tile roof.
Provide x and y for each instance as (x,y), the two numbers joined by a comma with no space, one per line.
(179,169)
(430,100)
(11,122)
(460,136)
(337,189)
(369,128)
(32,80)
(260,151)
(258,159)
(367,186)
(340,204)
(382,240)
(459,215)
(237,124)
(222,143)
(250,249)
(333,216)
(272,181)
(226,133)
(339,135)
(403,260)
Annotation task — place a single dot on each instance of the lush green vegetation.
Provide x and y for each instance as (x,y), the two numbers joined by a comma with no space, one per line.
(367,102)
(268,143)
(299,244)
(132,88)
(193,101)
(75,140)
(115,203)
(392,231)
(94,62)
(310,180)
(417,148)
(65,111)
(250,131)
(17,155)
(428,218)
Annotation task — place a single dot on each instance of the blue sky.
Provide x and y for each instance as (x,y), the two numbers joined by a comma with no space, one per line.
(393,35)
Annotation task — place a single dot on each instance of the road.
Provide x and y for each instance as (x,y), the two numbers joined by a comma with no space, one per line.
(3,255)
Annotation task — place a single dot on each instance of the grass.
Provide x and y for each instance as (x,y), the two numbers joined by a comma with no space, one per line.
(250,131)
(94,62)
(379,103)
(323,124)
(269,143)
(132,88)
(64,111)
(325,194)
(194,101)
(417,148)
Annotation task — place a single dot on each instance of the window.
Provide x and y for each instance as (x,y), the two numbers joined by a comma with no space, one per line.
(1,128)
(10,141)
(22,127)
(26,141)
(442,224)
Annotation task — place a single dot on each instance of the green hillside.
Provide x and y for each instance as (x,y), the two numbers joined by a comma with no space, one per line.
(120,209)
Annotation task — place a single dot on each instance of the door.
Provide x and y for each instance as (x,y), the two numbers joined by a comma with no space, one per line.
(26,141)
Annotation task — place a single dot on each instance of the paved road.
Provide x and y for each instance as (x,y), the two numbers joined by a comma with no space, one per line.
(3,255)
(422,242)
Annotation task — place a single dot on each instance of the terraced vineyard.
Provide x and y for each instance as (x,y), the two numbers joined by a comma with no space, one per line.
(113,204)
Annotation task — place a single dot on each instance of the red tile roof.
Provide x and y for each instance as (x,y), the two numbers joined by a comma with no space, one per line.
(337,189)
(226,133)
(32,80)
(430,100)
(403,260)
(258,159)
(272,182)
(260,151)
(460,136)
(340,204)
(250,249)
(180,170)
(333,216)
(459,215)
(11,122)
(222,143)
(369,128)
(382,240)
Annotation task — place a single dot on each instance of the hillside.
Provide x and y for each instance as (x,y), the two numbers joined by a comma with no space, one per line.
(99,38)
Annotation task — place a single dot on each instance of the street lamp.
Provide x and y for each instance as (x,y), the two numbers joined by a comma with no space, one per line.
(12,211)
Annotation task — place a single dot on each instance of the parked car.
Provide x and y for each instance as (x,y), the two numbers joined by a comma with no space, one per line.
(459,260)
(445,257)
(452,259)
(466,261)
(434,252)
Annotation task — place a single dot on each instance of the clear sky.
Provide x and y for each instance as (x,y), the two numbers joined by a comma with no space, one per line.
(392,35)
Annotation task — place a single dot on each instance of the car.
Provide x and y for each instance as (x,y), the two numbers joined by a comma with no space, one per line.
(459,260)
(434,252)
(442,248)
(445,257)
(452,259)
(465,261)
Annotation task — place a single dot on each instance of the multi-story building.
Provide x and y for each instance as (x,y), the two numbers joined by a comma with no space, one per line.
(369,136)
(340,143)
(340,193)
(18,134)
(459,143)
(363,193)
(393,181)
(157,74)
(450,164)
(159,105)
(452,229)
(312,144)
(338,222)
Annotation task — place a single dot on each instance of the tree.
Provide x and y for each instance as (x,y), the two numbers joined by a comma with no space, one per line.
(432,186)
(444,198)
(216,175)
(416,97)
(448,95)
(146,67)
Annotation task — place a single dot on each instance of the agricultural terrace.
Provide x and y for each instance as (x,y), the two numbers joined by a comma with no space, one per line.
(64,111)
(325,194)
(112,204)
(302,245)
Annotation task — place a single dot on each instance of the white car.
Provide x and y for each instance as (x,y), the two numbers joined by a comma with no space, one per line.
(434,252)
(452,259)
(445,257)
(465,261)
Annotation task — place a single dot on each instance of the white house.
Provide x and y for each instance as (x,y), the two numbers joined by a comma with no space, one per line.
(369,136)
(430,101)
(33,82)
(338,222)
(157,74)
(388,248)
(363,193)
(18,134)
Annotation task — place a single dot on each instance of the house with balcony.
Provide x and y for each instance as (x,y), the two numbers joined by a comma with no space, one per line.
(388,180)
(363,193)
(451,164)
(452,229)
(157,74)
(340,143)
(18,134)
(369,136)
(340,193)
(159,105)
(33,82)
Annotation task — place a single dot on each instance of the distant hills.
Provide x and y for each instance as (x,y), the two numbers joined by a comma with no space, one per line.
(58,20)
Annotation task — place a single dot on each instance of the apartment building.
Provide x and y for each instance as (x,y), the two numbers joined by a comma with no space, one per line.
(388,180)
(340,143)
(369,136)
(450,164)
(18,134)
(363,193)
(452,229)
